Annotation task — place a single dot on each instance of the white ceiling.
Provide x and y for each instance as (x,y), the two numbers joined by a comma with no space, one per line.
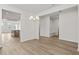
(33,8)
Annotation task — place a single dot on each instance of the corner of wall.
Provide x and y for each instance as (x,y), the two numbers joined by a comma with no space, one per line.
(78,48)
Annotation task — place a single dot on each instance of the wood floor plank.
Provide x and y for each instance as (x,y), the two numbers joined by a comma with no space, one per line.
(43,46)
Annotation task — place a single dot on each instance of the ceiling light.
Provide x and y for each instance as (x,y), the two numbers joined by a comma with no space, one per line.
(31,17)
(34,18)
(37,17)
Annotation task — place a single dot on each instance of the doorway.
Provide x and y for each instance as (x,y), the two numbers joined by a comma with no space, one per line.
(10,25)
(49,25)
(54,25)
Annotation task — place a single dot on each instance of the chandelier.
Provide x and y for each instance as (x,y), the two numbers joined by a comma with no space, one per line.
(34,18)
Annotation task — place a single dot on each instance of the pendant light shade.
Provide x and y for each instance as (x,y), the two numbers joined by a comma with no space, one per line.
(31,17)
(37,17)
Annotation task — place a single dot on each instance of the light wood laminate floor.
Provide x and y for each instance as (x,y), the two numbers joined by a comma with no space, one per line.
(44,46)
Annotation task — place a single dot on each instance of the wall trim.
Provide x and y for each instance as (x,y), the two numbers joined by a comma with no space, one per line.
(27,40)
(68,40)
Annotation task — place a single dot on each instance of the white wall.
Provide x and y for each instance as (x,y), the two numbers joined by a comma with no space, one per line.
(54,25)
(68,25)
(0,35)
(36,29)
(0,28)
(78,27)
(27,28)
(45,26)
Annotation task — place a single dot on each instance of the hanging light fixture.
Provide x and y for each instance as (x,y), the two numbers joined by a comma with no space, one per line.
(31,17)
(34,18)
(37,17)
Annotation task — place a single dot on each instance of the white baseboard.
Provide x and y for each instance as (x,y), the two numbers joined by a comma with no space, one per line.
(26,40)
(67,40)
